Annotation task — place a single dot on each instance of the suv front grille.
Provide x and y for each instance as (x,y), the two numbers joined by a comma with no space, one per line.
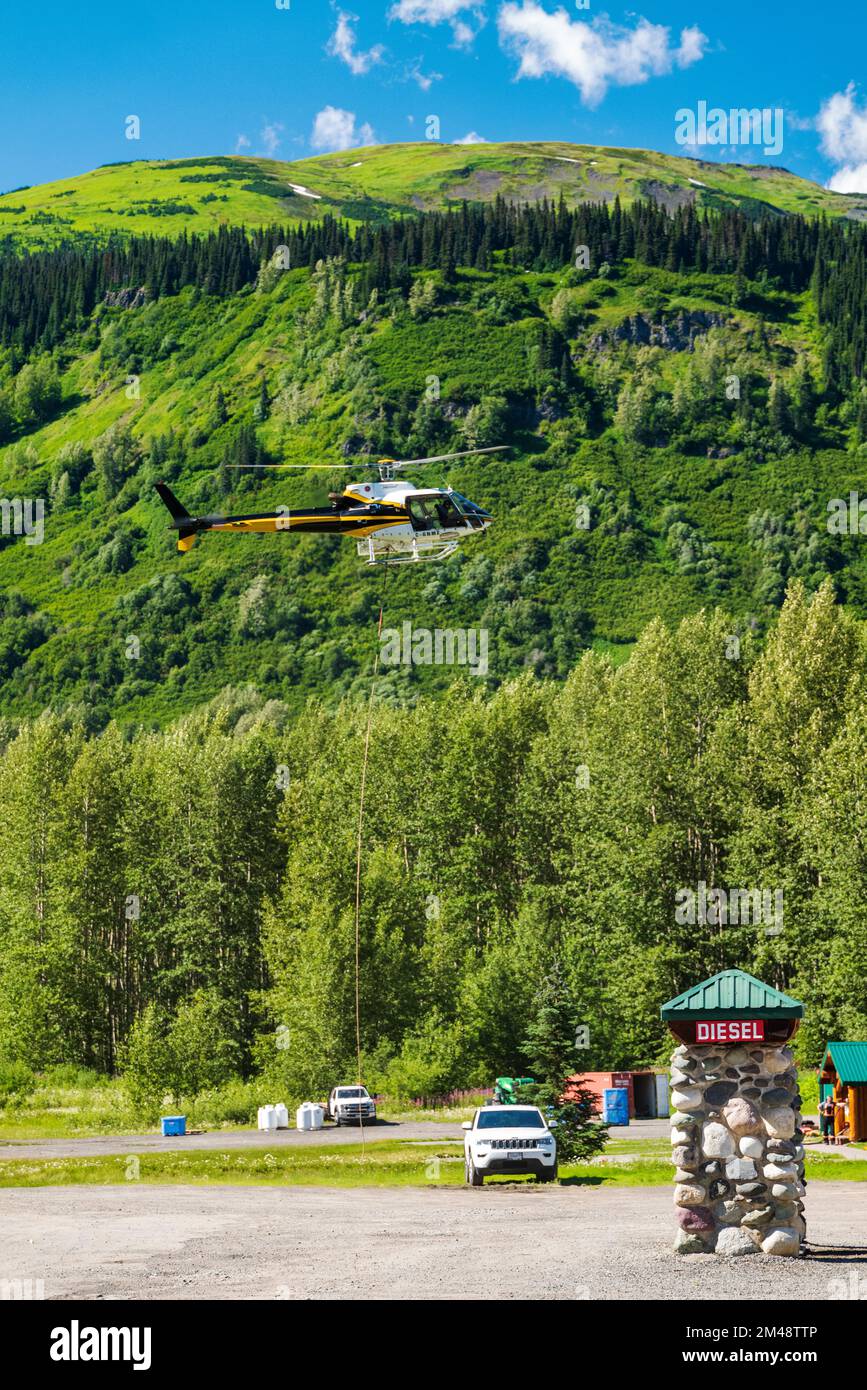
(513,1143)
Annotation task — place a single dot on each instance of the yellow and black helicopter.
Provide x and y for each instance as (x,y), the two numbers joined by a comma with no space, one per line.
(394,521)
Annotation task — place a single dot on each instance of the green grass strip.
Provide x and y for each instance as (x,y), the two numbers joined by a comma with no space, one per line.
(397,1163)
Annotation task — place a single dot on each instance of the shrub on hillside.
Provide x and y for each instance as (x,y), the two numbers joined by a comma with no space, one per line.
(16,1079)
(198,1049)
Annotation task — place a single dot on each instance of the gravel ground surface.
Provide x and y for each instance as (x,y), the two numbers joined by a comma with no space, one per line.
(500,1242)
(276,1139)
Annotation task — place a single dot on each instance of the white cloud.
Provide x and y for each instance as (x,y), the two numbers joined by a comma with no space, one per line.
(242,143)
(428,11)
(464,35)
(442,12)
(593,56)
(425,80)
(472,138)
(271,136)
(842,125)
(852,178)
(342,45)
(692,46)
(335,129)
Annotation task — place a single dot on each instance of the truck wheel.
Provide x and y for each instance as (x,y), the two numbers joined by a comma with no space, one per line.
(474,1177)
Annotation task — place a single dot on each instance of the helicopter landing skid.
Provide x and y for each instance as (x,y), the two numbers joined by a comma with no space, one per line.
(386,555)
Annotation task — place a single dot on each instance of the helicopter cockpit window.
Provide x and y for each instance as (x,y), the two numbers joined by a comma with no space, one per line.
(465,505)
(434,513)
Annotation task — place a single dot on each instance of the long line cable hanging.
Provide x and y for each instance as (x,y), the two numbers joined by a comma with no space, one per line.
(364,761)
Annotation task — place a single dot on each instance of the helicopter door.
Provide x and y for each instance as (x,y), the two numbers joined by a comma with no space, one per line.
(433,514)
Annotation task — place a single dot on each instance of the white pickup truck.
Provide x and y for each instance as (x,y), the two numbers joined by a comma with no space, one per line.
(509,1139)
(351,1105)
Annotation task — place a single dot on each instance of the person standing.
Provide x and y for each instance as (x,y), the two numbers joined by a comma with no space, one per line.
(826,1118)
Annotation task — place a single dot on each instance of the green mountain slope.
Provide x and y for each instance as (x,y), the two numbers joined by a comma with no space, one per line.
(168,197)
(640,484)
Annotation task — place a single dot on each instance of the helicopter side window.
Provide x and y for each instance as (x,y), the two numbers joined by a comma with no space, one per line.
(434,514)
(425,514)
(419,517)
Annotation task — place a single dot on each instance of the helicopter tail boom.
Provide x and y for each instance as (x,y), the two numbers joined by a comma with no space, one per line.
(179,515)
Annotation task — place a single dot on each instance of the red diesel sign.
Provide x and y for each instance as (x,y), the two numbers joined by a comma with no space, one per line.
(731,1030)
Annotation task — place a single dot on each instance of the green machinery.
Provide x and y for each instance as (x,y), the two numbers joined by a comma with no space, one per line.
(507,1088)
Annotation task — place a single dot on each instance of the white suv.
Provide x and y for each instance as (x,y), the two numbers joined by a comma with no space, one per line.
(509,1139)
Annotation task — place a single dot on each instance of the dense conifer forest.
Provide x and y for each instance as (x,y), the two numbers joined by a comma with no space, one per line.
(675,694)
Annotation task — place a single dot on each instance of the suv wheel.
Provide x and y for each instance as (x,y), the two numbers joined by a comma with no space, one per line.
(474,1177)
(550,1177)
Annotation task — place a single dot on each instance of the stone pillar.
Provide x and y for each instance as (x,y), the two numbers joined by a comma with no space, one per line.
(737,1150)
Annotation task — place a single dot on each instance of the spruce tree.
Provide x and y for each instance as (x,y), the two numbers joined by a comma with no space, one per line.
(779,413)
(262,407)
(551,1047)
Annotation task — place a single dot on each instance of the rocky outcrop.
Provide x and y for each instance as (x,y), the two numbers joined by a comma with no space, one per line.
(677,334)
(125,299)
(737,1148)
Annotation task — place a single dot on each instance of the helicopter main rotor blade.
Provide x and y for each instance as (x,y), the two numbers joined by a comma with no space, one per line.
(370,463)
(441,458)
(327,467)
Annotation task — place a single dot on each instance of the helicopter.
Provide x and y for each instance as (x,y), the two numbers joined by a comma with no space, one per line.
(394,521)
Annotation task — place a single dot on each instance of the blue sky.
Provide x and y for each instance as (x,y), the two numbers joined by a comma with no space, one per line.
(258,77)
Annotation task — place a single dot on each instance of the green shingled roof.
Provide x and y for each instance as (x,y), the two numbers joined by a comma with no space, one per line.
(850,1061)
(731,993)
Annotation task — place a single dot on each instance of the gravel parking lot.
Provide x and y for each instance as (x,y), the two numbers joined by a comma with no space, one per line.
(500,1242)
(221,1140)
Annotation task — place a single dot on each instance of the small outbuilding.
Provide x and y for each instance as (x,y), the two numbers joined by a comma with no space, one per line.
(843,1075)
(647,1090)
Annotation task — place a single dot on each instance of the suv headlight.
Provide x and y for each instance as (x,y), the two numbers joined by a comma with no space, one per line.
(547,1141)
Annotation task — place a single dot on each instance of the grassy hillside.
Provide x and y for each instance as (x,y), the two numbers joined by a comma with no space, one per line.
(168,197)
(681,405)
(637,486)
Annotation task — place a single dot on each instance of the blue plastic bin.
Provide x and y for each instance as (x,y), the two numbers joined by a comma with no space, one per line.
(174,1124)
(615,1106)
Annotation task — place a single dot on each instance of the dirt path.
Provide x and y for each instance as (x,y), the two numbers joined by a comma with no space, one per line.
(416,1243)
(222,1140)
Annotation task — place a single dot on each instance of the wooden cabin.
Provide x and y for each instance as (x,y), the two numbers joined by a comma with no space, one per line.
(844,1073)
